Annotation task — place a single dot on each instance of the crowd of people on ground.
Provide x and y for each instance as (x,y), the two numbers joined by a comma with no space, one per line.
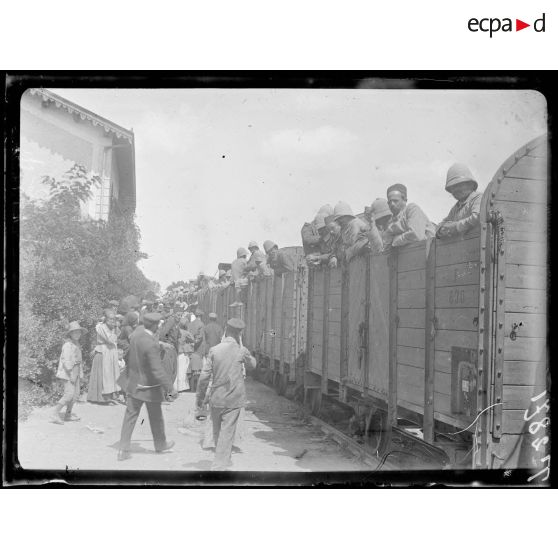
(162,347)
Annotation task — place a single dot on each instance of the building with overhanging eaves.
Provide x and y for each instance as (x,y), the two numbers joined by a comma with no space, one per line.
(57,133)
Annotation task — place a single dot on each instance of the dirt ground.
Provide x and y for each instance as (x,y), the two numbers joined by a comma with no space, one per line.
(276,436)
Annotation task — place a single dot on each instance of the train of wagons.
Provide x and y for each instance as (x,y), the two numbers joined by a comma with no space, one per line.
(441,342)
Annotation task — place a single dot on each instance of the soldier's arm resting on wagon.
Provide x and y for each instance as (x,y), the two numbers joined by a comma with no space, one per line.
(375,239)
(417,223)
(462,217)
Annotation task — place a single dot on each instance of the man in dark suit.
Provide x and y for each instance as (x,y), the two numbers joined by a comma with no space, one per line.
(147,383)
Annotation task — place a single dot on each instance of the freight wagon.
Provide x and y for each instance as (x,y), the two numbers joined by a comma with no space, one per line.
(442,343)
(447,337)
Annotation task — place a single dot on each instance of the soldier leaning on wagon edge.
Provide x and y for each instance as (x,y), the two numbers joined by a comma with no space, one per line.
(353,235)
(465,214)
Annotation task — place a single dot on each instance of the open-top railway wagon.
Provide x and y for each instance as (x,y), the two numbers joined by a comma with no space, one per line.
(446,338)
(441,344)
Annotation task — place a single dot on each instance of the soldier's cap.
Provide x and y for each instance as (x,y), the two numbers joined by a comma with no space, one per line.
(212,315)
(114,302)
(152,318)
(236,323)
(397,188)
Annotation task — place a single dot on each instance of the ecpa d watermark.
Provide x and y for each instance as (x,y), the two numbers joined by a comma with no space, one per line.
(494,25)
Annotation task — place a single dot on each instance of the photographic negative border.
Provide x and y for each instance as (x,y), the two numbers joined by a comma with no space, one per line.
(16,83)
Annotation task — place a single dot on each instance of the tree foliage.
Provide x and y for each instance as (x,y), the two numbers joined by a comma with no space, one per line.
(70,266)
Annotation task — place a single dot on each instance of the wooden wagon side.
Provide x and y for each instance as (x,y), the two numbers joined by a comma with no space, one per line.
(515,212)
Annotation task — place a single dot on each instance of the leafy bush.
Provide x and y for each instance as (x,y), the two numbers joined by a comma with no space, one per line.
(70,266)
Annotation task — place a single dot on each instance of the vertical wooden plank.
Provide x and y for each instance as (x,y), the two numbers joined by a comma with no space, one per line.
(392,384)
(486,298)
(325,330)
(310,317)
(273,333)
(367,302)
(257,323)
(499,271)
(302,311)
(429,335)
(283,297)
(344,365)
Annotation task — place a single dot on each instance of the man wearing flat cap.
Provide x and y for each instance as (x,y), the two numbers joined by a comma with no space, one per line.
(223,374)
(147,383)
(408,223)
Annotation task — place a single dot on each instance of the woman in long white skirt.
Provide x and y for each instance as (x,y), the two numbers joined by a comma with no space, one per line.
(181,383)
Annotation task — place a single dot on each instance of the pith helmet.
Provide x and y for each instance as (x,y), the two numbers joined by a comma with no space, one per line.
(242,252)
(457,174)
(319,221)
(268,246)
(252,244)
(326,209)
(329,219)
(379,209)
(342,209)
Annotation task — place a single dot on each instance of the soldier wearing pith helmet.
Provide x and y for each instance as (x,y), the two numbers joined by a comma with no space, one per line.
(353,239)
(465,214)
(378,215)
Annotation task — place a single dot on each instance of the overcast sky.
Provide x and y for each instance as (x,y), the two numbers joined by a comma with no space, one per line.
(218,168)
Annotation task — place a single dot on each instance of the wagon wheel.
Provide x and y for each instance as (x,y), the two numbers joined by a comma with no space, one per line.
(281,383)
(313,401)
(377,433)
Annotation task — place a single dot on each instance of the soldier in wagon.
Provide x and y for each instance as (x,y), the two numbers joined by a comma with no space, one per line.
(222,278)
(354,239)
(378,215)
(408,222)
(262,269)
(238,274)
(310,234)
(327,244)
(255,251)
(465,214)
(279,260)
